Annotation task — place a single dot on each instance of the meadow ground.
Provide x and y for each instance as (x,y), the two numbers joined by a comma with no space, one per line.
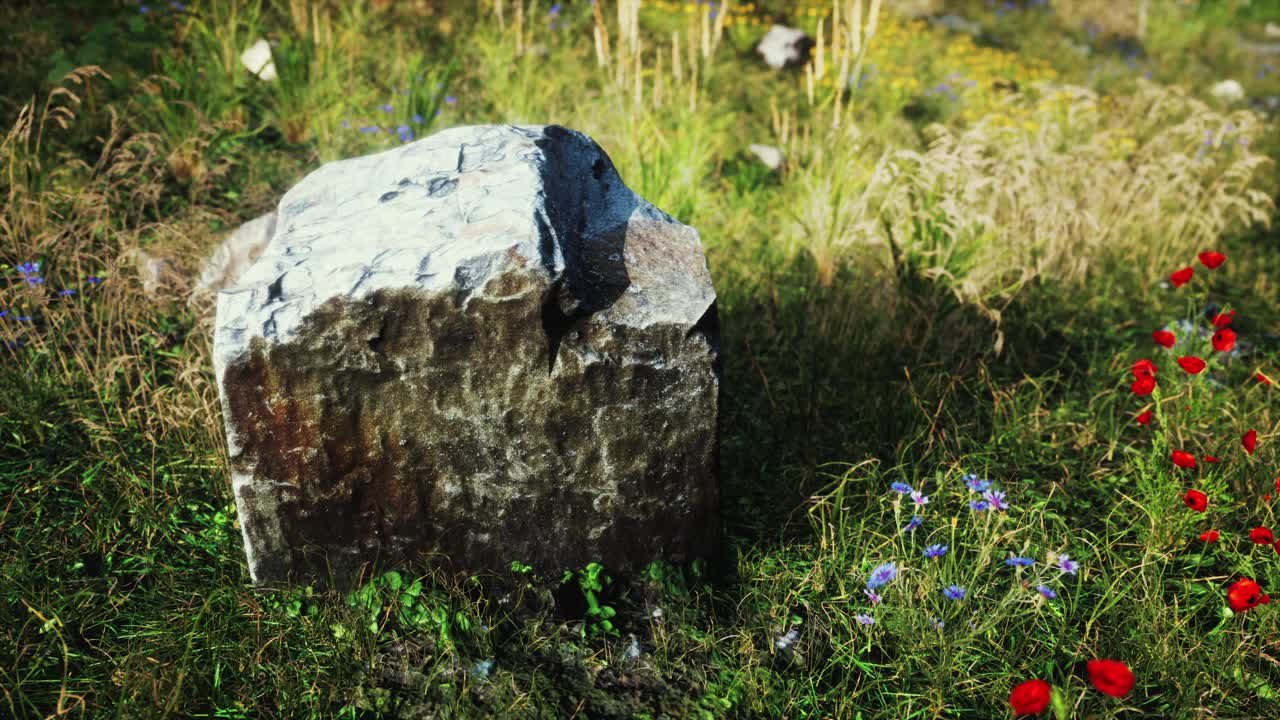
(939,471)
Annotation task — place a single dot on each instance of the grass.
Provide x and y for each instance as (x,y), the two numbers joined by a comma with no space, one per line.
(950,276)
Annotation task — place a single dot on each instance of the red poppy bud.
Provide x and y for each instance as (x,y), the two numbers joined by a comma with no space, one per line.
(1212,260)
(1143,368)
(1224,340)
(1184,459)
(1181,277)
(1250,441)
(1261,536)
(1223,320)
(1111,677)
(1030,697)
(1145,418)
(1276,547)
(1191,364)
(1143,385)
(1196,500)
(1164,338)
(1245,594)
(1210,536)
(1266,498)
(1212,458)
(1262,378)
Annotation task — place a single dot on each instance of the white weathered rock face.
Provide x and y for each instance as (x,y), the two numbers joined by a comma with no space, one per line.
(784,46)
(233,258)
(482,345)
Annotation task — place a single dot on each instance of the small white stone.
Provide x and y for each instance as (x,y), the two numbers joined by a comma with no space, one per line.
(257,59)
(1273,30)
(769,155)
(1228,91)
(782,45)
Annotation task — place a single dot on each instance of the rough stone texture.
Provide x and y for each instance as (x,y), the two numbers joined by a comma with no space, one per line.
(481,344)
(783,46)
(233,258)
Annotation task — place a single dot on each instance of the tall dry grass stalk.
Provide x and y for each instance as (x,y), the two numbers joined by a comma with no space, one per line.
(850,37)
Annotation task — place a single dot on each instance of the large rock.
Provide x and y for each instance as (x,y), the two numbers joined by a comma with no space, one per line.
(482,345)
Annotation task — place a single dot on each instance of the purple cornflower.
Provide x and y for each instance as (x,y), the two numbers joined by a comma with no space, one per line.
(997,499)
(370,129)
(901,487)
(919,498)
(23,318)
(1067,565)
(29,268)
(93,280)
(405,132)
(1019,562)
(865,619)
(4,313)
(65,293)
(450,100)
(935,551)
(881,575)
(976,483)
(955,592)
(555,10)
(873,596)
(387,107)
(916,520)
(417,119)
(35,281)
(978,505)
(1046,591)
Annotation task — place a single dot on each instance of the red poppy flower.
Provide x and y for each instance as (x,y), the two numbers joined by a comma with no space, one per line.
(1212,458)
(1261,536)
(1210,536)
(1276,547)
(1145,418)
(1250,441)
(1262,378)
(1144,368)
(1224,340)
(1143,385)
(1191,364)
(1184,459)
(1245,594)
(1278,484)
(1111,677)
(1212,260)
(1181,277)
(1030,697)
(1223,320)
(1266,498)
(1196,500)
(1164,338)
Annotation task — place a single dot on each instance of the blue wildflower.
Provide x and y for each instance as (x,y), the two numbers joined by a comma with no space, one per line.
(417,119)
(1067,565)
(555,10)
(975,483)
(900,487)
(916,520)
(1019,562)
(1046,591)
(865,619)
(29,268)
(881,575)
(23,318)
(934,551)
(873,596)
(35,281)
(937,624)
(450,100)
(346,124)
(175,5)
(369,129)
(997,499)
(978,505)
(4,313)
(387,107)
(93,280)
(65,293)
(955,592)
(405,132)
(919,498)
(144,9)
